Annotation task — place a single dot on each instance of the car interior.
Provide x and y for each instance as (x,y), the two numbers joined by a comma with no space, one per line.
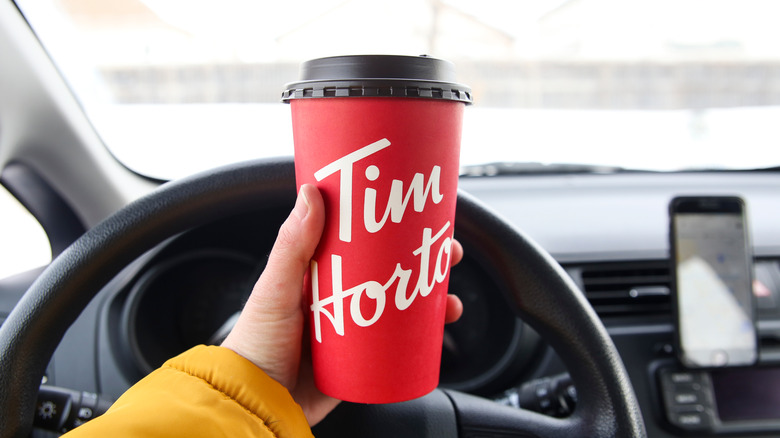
(573,324)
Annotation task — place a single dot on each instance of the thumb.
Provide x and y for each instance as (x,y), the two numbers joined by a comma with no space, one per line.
(270,327)
(279,287)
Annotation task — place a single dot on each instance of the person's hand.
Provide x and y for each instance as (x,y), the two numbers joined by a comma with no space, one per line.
(269,331)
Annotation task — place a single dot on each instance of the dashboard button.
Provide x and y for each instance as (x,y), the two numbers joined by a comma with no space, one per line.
(698,419)
(683,377)
(686,398)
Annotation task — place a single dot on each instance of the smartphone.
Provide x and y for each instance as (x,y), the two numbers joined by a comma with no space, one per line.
(712,282)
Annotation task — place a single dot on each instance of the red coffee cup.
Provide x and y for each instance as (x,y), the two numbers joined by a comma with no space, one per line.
(380,137)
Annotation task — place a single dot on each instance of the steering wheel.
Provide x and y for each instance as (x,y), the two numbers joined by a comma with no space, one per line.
(539,292)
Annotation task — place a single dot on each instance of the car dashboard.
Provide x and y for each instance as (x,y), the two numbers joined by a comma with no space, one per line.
(608,231)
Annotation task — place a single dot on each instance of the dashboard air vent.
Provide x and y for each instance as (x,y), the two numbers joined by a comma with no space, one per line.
(624,289)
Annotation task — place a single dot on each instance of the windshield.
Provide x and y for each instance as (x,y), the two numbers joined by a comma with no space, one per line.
(174,87)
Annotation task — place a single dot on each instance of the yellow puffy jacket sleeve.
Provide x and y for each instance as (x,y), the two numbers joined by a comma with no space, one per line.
(204,392)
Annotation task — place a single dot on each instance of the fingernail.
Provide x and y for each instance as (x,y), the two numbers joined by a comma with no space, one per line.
(305,198)
(302,207)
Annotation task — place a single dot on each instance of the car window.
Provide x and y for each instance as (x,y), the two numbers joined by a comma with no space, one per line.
(23,243)
(175,87)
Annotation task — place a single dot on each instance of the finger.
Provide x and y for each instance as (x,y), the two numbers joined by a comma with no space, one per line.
(457,253)
(454,309)
(279,288)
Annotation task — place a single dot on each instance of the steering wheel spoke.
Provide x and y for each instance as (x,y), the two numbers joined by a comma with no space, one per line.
(478,417)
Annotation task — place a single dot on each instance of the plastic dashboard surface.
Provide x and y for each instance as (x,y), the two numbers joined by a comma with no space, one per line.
(596,226)
(611,234)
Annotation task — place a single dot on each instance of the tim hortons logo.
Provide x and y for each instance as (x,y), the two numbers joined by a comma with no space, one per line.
(428,275)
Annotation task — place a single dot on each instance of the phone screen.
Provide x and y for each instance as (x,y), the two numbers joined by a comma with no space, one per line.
(713,283)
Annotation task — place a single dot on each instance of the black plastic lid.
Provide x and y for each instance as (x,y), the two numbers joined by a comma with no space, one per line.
(377,76)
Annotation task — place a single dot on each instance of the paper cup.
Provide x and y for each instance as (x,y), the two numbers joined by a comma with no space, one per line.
(380,137)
